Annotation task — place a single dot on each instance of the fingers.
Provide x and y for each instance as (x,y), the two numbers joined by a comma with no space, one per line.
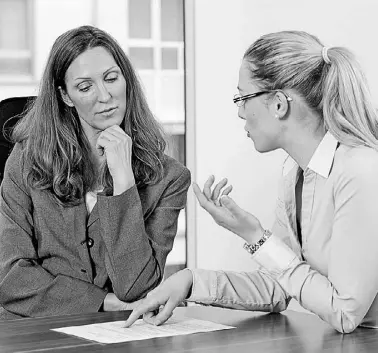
(217,190)
(231,205)
(117,132)
(212,196)
(227,190)
(202,199)
(166,312)
(151,314)
(150,318)
(207,187)
(113,133)
(143,308)
(110,138)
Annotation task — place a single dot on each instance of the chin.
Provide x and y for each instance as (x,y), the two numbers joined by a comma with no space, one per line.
(263,148)
(110,122)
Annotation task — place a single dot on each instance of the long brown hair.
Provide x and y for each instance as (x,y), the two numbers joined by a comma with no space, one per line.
(54,143)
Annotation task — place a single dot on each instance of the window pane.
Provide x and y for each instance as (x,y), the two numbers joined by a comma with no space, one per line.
(142,58)
(172,99)
(15,66)
(139,18)
(148,83)
(172,14)
(176,147)
(169,58)
(13,22)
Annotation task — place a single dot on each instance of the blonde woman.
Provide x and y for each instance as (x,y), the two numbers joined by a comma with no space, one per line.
(313,102)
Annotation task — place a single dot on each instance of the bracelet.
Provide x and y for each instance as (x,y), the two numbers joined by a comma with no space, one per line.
(253,248)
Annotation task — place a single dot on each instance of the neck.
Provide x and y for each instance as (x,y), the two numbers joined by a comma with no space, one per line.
(303,145)
(92,136)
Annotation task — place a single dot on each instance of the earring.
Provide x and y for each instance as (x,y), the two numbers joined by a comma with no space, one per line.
(276,116)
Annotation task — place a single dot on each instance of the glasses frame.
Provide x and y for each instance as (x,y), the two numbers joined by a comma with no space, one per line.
(239,100)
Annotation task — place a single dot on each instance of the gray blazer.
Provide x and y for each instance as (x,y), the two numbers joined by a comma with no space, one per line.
(56,260)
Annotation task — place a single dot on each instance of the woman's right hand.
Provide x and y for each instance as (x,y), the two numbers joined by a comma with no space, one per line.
(168,296)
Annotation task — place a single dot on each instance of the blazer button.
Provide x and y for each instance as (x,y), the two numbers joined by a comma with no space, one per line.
(90,242)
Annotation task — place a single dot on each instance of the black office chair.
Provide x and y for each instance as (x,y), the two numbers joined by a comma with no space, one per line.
(11,110)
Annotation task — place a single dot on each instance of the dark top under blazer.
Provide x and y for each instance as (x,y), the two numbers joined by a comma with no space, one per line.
(46,265)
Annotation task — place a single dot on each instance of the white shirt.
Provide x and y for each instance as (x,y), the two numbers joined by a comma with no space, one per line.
(334,274)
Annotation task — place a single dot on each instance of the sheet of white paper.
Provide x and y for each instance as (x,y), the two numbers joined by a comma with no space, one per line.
(115,332)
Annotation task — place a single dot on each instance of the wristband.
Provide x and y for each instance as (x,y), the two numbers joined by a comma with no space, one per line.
(253,248)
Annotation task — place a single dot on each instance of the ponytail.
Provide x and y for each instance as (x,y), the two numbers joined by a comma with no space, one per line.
(348,111)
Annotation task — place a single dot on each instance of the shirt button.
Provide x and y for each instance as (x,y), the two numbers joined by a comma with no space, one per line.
(90,242)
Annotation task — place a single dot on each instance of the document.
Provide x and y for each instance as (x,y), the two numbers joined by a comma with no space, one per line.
(115,332)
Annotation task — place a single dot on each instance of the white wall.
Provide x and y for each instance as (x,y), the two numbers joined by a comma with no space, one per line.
(223,30)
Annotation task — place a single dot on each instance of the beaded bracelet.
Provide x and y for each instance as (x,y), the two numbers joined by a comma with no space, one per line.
(253,248)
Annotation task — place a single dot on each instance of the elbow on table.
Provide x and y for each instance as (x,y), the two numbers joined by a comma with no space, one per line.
(346,323)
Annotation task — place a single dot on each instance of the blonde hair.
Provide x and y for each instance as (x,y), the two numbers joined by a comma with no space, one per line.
(337,91)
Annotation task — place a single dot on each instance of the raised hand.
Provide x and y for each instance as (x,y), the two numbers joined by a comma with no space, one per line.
(117,147)
(226,212)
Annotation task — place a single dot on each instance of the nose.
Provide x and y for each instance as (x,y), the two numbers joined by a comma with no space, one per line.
(240,113)
(102,93)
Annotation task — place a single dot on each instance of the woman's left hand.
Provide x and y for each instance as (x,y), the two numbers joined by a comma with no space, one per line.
(117,146)
(226,212)
(112,303)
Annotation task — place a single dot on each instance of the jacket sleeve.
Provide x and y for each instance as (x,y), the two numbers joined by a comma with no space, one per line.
(137,247)
(344,296)
(26,288)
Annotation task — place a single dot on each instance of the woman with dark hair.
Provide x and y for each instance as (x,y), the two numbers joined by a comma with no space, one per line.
(312,102)
(89,201)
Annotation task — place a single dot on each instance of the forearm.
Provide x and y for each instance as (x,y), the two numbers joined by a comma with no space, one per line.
(254,290)
(134,267)
(26,289)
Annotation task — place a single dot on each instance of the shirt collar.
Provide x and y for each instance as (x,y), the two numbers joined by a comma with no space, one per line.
(322,159)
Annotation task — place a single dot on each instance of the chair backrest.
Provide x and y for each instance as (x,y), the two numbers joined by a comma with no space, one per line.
(11,110)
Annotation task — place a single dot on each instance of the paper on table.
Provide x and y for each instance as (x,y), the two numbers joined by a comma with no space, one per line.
(115,332)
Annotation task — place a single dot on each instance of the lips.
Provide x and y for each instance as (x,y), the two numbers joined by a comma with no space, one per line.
(109,110)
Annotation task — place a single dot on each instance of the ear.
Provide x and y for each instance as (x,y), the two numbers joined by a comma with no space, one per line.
(66,98)
(279,106)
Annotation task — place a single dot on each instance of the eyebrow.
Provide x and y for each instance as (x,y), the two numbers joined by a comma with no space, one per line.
(88,78)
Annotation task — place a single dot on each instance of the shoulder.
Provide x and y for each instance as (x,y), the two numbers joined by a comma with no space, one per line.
(15,172)
(356,160)
(174,170)
(356,164)
(172,187)
(14,163)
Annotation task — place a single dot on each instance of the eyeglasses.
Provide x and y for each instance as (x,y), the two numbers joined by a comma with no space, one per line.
(239,100)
